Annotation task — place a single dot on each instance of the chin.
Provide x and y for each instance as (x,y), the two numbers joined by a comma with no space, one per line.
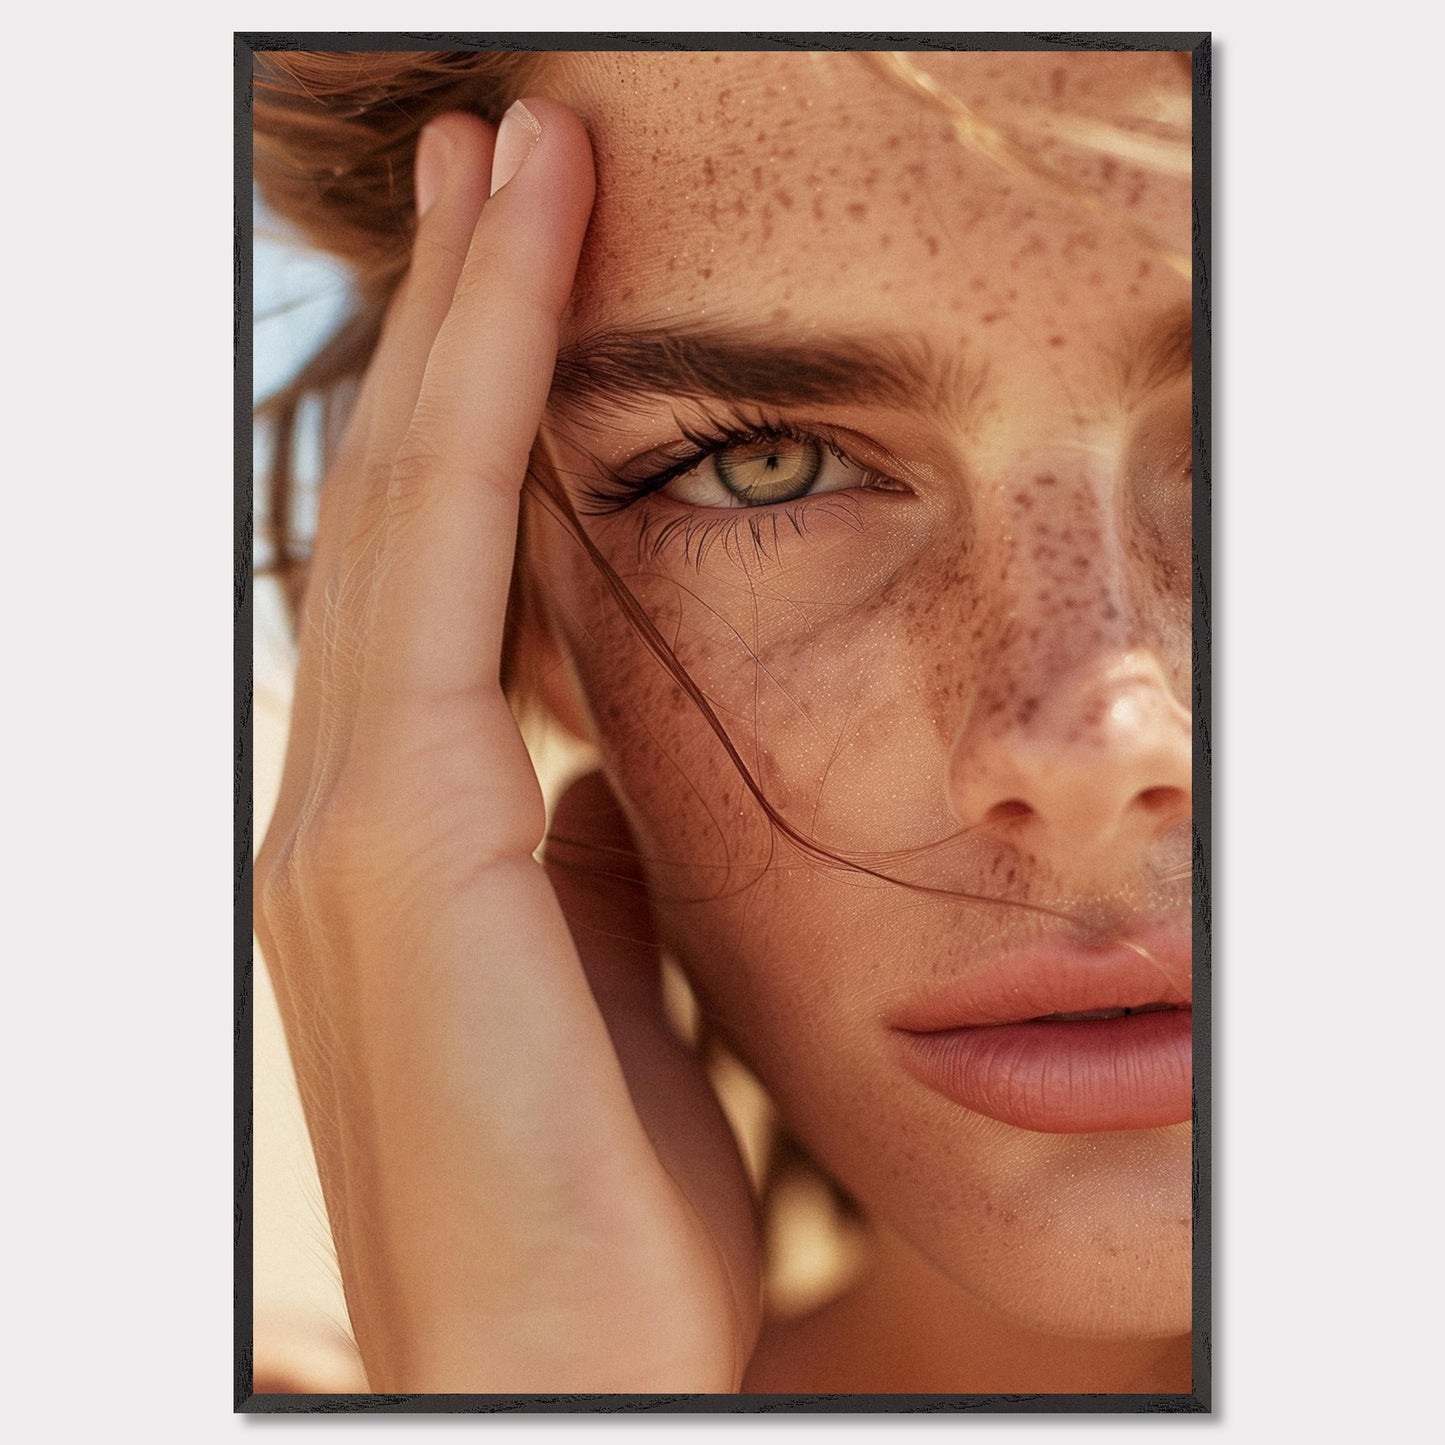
(1099,1301)
(1093,1239)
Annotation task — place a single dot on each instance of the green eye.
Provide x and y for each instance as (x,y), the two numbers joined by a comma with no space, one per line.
(781,470)
(766,470)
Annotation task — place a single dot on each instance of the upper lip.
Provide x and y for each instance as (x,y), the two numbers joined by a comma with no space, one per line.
(1054,976)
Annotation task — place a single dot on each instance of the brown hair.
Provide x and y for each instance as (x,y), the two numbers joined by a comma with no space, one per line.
(335,144)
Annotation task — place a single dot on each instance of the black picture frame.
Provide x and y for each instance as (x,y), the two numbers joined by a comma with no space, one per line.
(1199,1400)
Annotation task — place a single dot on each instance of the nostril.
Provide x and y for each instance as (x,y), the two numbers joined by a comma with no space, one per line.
(1159,800)
(1008,811)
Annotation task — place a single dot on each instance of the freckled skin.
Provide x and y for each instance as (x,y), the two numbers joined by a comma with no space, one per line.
(873,670)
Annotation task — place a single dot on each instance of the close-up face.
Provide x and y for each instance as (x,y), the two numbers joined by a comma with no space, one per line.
(875,393)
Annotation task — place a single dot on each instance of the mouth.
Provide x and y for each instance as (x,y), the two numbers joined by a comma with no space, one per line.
(1106,1013)
(1062,1038)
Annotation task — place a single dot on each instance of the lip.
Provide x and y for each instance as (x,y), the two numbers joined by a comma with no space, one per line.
(985,1042)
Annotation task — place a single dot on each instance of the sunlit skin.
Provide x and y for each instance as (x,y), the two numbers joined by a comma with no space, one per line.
(967,668)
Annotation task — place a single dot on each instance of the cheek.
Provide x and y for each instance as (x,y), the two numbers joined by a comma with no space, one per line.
(834,682)
(687,803)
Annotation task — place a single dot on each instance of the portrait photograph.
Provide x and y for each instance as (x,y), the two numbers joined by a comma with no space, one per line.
(727,601)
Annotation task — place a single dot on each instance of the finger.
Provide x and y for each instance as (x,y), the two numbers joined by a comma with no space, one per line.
(454,163)
(452,508)
(453,173)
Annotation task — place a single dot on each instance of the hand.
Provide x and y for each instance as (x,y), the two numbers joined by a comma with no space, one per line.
(530,1183)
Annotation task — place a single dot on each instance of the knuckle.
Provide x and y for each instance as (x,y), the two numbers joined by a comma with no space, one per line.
(433,251)
(413,470)
(422,468)
(479,277)
(368,513)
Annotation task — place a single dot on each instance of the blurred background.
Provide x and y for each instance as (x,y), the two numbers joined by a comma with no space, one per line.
(301,1336)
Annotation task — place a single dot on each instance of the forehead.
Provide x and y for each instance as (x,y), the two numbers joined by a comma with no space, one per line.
(819,189)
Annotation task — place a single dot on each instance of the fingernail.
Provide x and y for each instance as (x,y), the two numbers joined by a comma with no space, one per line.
(433,155)
(518,133)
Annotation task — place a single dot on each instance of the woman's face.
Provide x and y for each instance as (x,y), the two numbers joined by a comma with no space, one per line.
(935,587)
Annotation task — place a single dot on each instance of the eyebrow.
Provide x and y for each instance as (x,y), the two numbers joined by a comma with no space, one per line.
(740,365)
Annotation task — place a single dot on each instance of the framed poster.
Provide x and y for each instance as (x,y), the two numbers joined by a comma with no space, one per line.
(731,880)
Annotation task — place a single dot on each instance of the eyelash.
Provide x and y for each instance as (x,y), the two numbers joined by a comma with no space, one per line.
(695,530)
(622,487)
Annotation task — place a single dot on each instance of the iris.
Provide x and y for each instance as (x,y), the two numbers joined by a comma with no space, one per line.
(769,471)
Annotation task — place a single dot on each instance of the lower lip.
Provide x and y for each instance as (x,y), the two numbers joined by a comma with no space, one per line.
(1084,1076)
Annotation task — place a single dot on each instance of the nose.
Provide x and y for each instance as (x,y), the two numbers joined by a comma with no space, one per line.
(1096,762)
